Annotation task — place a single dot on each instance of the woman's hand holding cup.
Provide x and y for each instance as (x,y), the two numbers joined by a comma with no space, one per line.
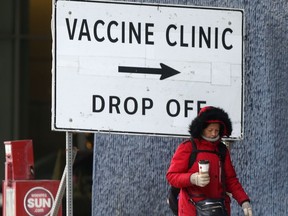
(202,177)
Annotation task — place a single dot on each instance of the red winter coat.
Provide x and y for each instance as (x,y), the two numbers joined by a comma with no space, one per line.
(178,175)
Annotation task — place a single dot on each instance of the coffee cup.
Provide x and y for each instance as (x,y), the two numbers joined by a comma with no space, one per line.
(203,166)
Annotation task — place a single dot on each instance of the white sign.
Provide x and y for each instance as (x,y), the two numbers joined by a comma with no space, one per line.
(143,68)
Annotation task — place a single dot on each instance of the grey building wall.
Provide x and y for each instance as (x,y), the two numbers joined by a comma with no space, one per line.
(129,171)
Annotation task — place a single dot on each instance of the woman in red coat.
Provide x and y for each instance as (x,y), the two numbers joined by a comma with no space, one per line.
(206,130)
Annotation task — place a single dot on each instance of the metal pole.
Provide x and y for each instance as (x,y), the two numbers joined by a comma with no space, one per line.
(61,189)
(69,174)
(16,71)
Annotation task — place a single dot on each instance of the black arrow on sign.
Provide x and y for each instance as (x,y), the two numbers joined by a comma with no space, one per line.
(165,71)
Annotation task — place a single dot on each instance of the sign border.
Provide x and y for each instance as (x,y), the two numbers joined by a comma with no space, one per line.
(54,62)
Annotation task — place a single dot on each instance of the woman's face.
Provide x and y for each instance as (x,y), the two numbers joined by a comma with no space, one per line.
(212,130)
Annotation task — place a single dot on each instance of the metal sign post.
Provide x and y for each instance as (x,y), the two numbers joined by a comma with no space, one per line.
(62,187)
(69,174)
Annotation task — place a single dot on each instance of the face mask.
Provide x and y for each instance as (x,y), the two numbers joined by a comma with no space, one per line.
(211,139)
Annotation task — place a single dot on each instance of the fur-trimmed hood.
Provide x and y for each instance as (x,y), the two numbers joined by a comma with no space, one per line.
(208,115)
